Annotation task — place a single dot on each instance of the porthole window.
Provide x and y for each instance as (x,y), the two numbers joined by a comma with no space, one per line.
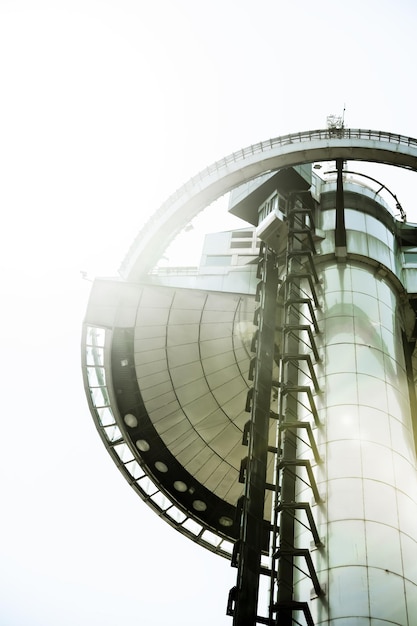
(143,445)
(130,420)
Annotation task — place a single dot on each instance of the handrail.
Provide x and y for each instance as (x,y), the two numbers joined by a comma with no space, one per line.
(309,135)
(292,139)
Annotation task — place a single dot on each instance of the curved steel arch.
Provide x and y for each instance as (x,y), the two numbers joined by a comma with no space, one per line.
(248,163)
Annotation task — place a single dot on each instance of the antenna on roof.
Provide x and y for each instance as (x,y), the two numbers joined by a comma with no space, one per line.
(336,123)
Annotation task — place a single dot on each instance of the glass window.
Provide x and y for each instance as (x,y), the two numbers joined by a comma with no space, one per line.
(99,396)
(175,514)
(96,336)
(410,257)
(96,376)
(242,234)
(94,356)
(241,244)
(113,433)
(105,416)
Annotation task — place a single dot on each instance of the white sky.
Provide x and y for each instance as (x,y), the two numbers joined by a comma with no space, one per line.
(106,107)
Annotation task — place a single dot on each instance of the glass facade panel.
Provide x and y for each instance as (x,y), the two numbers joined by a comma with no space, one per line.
(327,245)
(344,458)
(105,416)
(123,452)
(337,278)
(348,539)
(338,303)
(407,512)
(339,329)
(95,336)
(376,229)
(380,252)
(366,311)
(369,360)
(349,587)
(409,556)
(341,389)
(405,475)
(380,502)
(357,242)
(355,220)
(411,597)
(328,219)
(389,558)
(113,433)
(389,343)
(340,357)
(402,440)
(377,462)
(343,422)
(398,405)
(96,376)
(99,396)
(387,315)
(345,499)
(363,281)
(371,392)
(374,426)
(94,356)
(382,589)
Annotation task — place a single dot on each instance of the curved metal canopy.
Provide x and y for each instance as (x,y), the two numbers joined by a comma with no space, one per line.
(244,165)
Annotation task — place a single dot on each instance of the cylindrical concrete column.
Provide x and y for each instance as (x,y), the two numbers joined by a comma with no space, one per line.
(368,478)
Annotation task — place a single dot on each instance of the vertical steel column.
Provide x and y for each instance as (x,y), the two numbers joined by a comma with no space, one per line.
(340,229)
(297,376)
(252,537)
(288,413)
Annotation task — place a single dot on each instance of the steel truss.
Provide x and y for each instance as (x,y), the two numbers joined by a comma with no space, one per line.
(288,288)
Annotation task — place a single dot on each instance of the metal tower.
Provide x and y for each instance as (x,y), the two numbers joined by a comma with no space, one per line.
(291,453)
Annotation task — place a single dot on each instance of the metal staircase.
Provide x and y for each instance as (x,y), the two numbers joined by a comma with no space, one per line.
(284,344)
